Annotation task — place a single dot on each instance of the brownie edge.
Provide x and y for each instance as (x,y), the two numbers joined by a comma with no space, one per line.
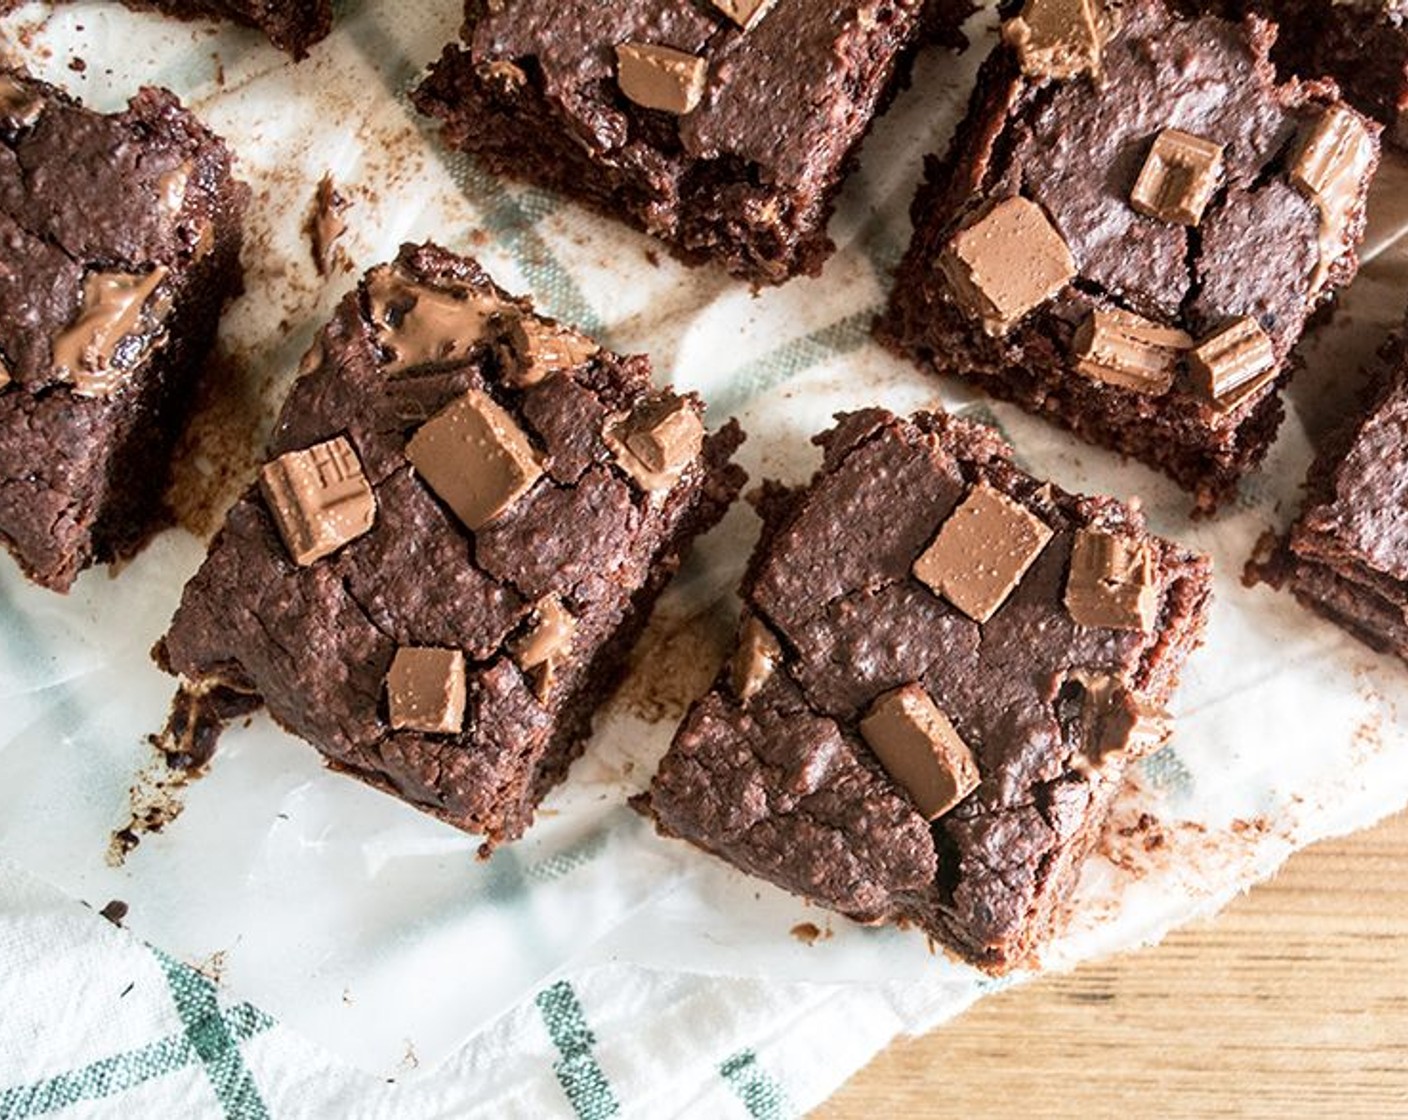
(120,239)
(873,747)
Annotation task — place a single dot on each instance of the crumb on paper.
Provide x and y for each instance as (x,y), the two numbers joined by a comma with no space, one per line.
(410,1060)
(181,754)
(1261,565)
(115,911)
(77,64)
(325,226)
(213,967)
(674,663)
(809,933)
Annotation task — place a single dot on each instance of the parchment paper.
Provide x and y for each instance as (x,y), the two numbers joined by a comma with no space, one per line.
(370,927)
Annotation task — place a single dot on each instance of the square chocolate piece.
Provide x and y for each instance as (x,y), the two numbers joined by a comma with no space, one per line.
(1346,556)
(860,703)
(119,245)
(291,25)
(446,640)
(722,127)
(1206,213)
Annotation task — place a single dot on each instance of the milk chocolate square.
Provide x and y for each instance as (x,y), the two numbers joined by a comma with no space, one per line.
(918,746)
(320,499)
(425,690)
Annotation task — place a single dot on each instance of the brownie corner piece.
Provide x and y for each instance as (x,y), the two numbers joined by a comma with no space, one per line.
(1346,554)
(944,669)
(466,515)
(722,127)
(293,26)
(1131,229)
(120,238)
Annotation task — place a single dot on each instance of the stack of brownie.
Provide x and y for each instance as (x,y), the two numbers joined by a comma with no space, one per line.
(945,667)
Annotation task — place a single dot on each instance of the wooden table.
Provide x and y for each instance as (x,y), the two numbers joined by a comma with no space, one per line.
(1292,1003)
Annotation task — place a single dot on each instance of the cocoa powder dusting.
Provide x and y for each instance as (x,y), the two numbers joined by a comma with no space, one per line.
(218,453)
(674,664)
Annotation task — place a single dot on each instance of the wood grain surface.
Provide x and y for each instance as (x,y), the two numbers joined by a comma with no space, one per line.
(1291,1003)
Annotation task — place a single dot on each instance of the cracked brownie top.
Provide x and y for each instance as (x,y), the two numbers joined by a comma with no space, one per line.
(944,668)
(466,511)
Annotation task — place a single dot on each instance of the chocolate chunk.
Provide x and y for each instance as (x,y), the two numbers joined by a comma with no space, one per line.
(1329,167)
(755,659)
(418,325)
(1112,583)
(1116,725)
(425,690)
(19,107)
(982,551)
(320,499)
(657,441)
(1179,178)
(920,750)
(5,378)
(547,644)
(474,455)
(1334,155)
(660,77)
(1124,349)
(1058,38)
(745,13)
(1006,263)
(113,310)
(1233,363)
(325,224)
(534,349)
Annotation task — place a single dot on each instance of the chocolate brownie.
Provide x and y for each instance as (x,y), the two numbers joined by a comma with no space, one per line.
(1130,231)
(944,669)
(119,244)
(291,25)
(1346,556)
(1362,44)
(723,127)
(466,515)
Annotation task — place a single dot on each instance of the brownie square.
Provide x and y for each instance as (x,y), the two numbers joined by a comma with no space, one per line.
(944,668)
(722,127)
(119,244)
(1346,556)
(1362,44)
(467,514)
(1130,231)
(291,25)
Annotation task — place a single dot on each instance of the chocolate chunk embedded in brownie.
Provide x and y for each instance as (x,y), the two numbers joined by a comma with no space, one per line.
(291,25)
(1130,231)
(944,669)
(465,517)
(1346,556)
(119,244)
(723,127)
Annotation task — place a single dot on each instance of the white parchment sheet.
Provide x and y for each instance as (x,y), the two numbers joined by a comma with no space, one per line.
(368,926)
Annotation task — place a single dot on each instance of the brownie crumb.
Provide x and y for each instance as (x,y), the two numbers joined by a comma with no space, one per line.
(115,911)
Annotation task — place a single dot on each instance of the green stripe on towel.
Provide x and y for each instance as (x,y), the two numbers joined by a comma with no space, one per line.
(761,1093)
(581,1078)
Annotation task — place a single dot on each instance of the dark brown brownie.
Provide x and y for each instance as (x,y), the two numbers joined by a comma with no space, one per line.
(863,700)
(723,127)
(1086,243)
(1346,556)
(291,25)
(119,244)
(466,517)
(1362,44)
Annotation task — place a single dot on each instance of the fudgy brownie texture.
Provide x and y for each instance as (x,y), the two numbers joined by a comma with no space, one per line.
(1362,44)
(1135,255)
(119,244)
(1346,556)
(876,748)
(723,127)
(466,517)
(291,25)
